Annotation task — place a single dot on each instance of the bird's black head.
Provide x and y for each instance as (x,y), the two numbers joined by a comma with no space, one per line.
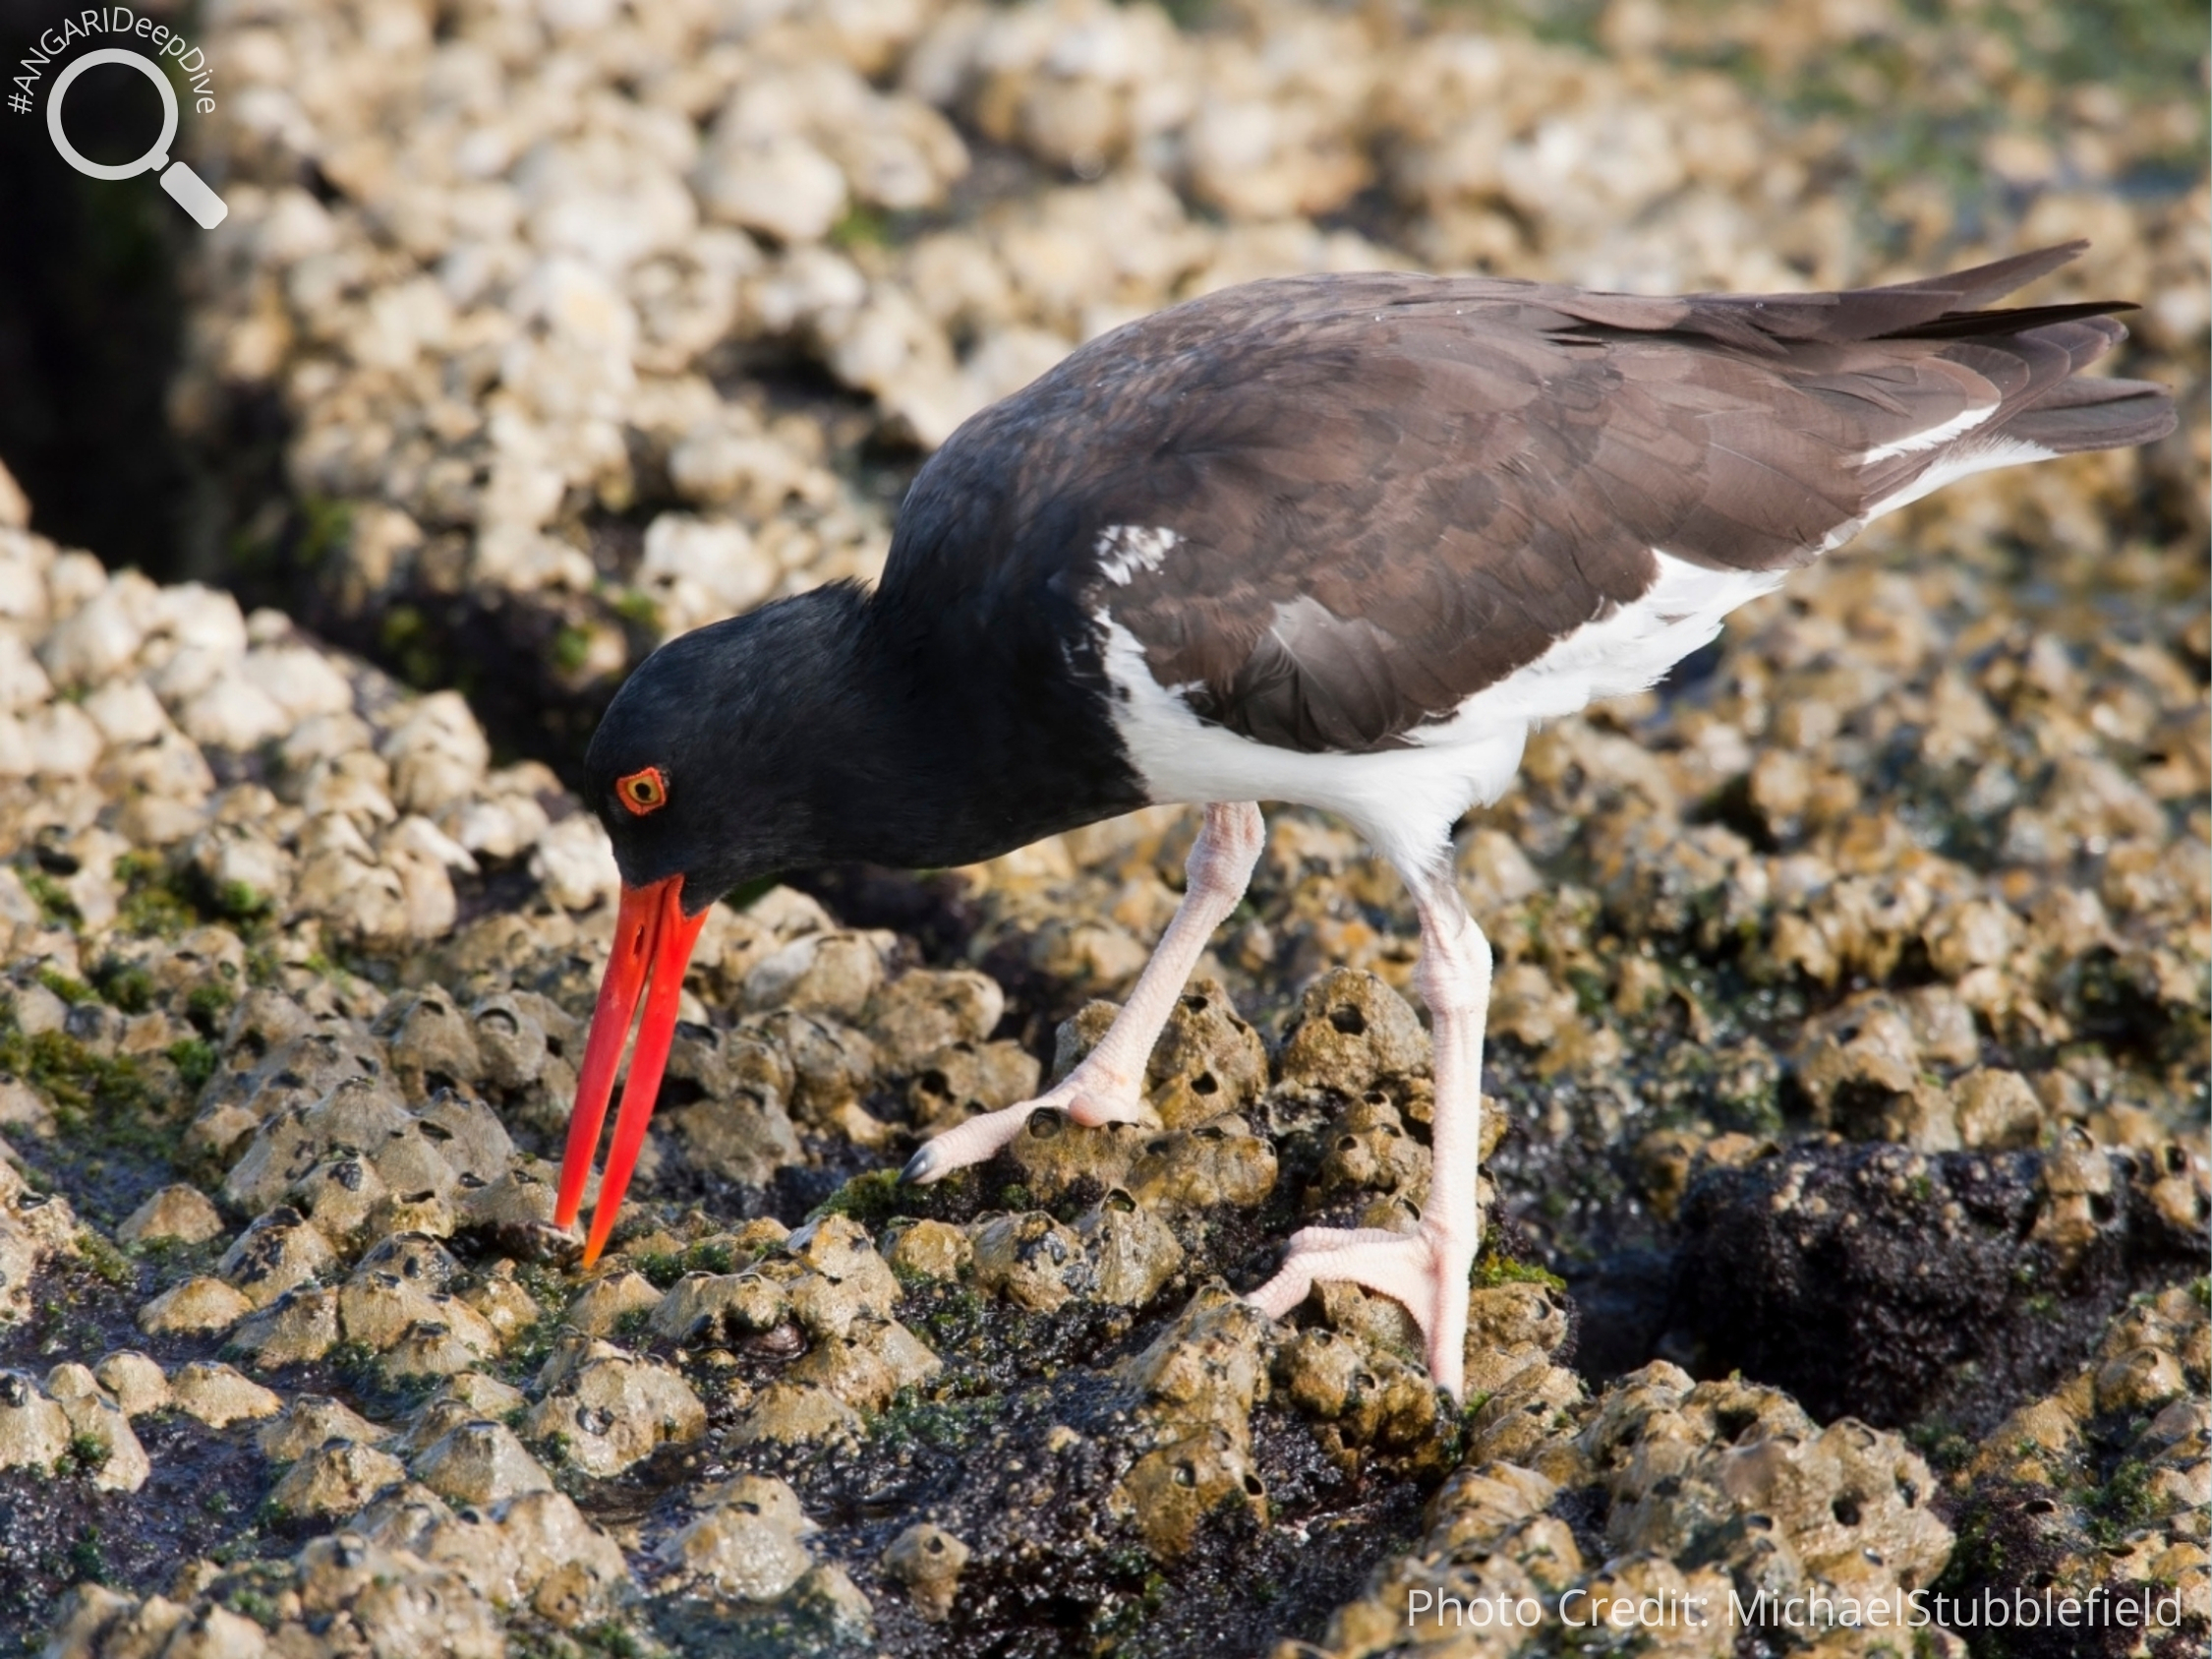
(701,765)
(709,772)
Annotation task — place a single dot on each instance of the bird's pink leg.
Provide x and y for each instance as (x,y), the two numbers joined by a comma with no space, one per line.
(1426,1269)
(1107,1087)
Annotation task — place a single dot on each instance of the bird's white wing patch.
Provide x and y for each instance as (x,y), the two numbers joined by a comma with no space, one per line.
(1625,650)
(1125,549)
(1966,421)
(1402,800)
(1986,457)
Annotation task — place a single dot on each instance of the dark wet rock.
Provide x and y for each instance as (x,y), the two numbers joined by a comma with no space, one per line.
(1893,1286)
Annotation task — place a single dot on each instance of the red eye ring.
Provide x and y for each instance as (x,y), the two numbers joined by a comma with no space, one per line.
(642,792)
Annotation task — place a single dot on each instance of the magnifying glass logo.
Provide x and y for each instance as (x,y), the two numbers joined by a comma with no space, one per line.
(187,188)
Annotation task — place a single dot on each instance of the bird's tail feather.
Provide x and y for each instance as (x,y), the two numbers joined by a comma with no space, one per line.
(1967,324)
(2085,414)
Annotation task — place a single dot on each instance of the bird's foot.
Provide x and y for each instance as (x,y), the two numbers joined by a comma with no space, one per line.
(1098,1098)
(1425,1269)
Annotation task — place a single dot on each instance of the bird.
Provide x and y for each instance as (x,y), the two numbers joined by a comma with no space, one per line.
(1340,541)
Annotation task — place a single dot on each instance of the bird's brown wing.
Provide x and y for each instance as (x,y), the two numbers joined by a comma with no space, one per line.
(1387,492)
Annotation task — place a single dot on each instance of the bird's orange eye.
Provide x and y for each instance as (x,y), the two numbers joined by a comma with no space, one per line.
(642,792)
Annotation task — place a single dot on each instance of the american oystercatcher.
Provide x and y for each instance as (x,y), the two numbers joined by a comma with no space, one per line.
(1335,540)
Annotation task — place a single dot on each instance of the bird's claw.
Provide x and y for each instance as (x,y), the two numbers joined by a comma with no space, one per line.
(922,1169)
(1425,1271)
(979,1138)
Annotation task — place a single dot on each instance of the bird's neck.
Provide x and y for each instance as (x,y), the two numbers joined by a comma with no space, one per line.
(951,736)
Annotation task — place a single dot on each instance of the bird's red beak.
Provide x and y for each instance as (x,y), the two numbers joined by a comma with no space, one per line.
(653,940)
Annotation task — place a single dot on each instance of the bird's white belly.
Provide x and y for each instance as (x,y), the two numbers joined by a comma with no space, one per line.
(1405,801)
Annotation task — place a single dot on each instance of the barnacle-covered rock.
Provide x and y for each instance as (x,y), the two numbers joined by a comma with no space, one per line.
(928,1561)
(717,1309)
(1913,857)
(1057,1155)
(610,1410)
(280,1250)
(34,1429)
(956,1082)
(1217,1161)
(844,1278)
(1193,1390)
(219,1396)
(101,1440)
(733,1123)
(299,1327)
(929,1249)
(924,1011)
(136,1383)
(1132,1252)
(178,1212)
(1351,1034)
(336,1478)
(747,1542)
(1031,1259)
(479,1463)
(609,1301)
(313,1420)
(799,1414)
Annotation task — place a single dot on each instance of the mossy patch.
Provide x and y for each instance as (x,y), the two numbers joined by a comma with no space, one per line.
(154,902)
(55,906)
(71,991)
(870,1199)
(663,1267)
(1491,1272)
